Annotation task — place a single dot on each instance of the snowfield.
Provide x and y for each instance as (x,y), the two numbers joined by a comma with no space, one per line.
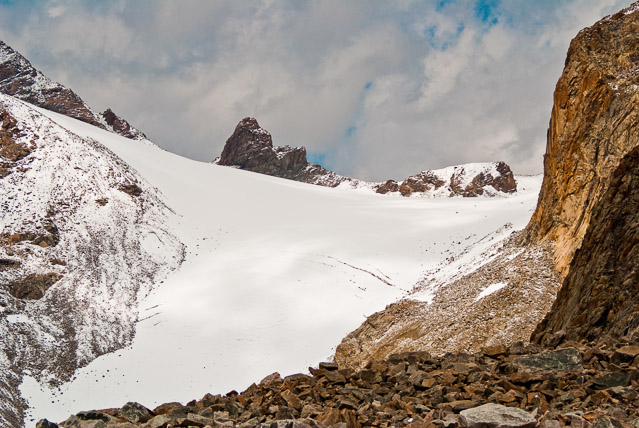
(276,274)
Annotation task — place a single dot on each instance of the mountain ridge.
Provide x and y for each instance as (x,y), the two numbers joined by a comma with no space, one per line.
(250,147)
(20,79)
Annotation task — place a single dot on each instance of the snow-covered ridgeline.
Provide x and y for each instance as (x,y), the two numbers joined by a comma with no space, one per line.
(113,246)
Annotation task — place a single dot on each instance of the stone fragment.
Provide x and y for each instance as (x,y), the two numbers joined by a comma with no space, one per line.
(135,412)
(158,421)
(625,354)
(496,416)
(494,351)
(43,423)
(291,399)
(610,380)
(561,360)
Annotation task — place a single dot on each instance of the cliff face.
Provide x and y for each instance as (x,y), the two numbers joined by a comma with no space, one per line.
(594,124)
(21,80)
(600,293)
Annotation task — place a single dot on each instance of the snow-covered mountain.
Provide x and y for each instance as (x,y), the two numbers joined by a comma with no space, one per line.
(83,237)
(21,80)
(275,274)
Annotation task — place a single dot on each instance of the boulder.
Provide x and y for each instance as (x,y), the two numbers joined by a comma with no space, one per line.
(135,412)
(496,416)
(561,360)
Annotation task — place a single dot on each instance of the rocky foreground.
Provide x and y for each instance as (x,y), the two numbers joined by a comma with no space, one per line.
(579,385)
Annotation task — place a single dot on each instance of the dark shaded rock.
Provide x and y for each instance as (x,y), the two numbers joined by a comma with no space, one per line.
(328,366)
(496,416)
(9,263)
(9,148)
(600,295)
(606,422)
(610,380)
(121,126)
(135,412)
(388,186)
(131,189)
(43,423)
(20,79)
(251,148)
(561,360)
(33,286)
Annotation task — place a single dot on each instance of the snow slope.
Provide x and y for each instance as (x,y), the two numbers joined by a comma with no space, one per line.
(276,273)
(106,246)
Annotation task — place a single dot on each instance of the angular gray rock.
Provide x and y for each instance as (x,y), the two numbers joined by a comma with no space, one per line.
(496,416)
(561,360)
(135,412)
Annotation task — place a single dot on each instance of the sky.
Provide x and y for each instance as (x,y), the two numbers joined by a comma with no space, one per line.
(373,89)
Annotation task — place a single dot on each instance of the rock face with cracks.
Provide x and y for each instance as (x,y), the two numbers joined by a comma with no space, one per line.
(594,124)
(600,295)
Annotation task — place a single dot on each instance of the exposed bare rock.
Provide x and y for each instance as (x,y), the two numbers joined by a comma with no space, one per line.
(461,316)
(388,186)
(600,295)
(33,286)
(414,390)
(594,124)
(469,180)
(20,79)
(121,126)
(251,148)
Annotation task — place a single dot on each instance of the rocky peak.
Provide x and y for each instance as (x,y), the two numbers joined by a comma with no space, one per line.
(251,148)
(20,79)
(464,180)
(594,124)
(121,126)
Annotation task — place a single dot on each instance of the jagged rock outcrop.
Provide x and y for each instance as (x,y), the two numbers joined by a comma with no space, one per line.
(121,126)
(600,295)
(20,79)
(515,387)
(594,124)
(464,180)
(251,148)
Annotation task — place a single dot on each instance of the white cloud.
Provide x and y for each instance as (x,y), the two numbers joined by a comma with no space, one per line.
(418,86)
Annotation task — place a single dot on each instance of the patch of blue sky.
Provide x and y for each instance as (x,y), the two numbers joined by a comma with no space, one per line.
(368,85)
(444,41)
(350,131)
(486,11)
(317,158)
(442,3)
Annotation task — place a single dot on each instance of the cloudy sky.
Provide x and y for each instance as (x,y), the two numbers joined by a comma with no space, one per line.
(374,89)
